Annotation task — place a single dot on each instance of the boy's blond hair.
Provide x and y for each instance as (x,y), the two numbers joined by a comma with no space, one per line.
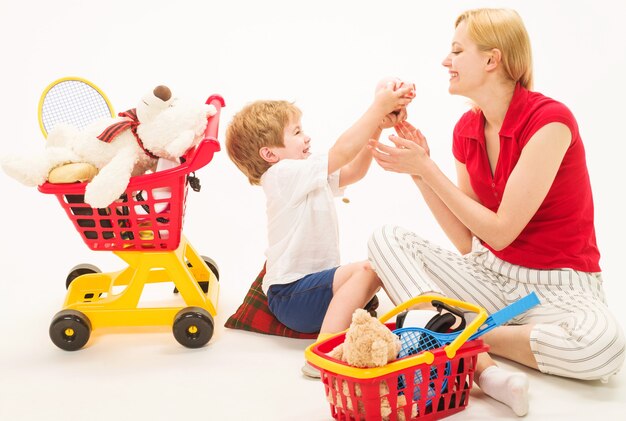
(259,124)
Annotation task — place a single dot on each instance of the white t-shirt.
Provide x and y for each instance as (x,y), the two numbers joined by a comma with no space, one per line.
(302,228)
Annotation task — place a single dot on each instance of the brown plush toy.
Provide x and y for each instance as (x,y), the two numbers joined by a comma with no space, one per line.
(368,343)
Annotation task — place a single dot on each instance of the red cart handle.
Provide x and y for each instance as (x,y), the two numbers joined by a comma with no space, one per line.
(209,145)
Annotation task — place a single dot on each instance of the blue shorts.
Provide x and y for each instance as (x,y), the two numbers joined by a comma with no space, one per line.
(301,305)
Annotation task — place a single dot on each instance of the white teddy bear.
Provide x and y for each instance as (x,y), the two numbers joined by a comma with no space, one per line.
(160,127)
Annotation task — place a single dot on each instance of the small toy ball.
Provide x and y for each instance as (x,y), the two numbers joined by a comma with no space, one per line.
(397,84)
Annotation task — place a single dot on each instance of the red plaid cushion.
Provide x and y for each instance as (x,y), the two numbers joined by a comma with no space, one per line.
(254,315)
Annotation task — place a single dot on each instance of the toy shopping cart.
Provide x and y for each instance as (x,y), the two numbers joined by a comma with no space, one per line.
(426,386)
(144,229)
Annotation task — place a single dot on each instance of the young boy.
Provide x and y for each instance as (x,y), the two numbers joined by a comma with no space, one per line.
(306,287)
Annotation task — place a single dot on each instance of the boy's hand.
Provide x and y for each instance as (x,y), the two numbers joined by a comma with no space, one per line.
(397,84)
(393,96)
(393,119)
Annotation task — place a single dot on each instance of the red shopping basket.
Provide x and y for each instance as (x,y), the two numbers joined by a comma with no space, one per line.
(140,219)
(427,386)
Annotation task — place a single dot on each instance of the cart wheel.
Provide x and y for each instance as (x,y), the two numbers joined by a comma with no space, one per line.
(205,284)
(79,270)
(193,327)
(212,264)
(70,330)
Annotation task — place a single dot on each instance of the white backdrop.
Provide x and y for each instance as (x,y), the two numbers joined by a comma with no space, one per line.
(327,57)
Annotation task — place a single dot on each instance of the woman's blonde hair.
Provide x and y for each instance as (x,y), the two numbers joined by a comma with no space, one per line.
(259,124)
(502,29)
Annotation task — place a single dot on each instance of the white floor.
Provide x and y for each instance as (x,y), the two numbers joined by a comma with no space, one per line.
(127,374)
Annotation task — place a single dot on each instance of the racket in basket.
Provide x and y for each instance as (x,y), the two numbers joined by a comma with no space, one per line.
(74,101)
(415,340)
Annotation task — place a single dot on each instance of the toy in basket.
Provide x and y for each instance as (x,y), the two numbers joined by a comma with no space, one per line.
(424,383)
(415,340)
(144,229)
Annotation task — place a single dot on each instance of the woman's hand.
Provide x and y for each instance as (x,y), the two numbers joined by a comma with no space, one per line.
(405,157)
(407,131)
(410,154)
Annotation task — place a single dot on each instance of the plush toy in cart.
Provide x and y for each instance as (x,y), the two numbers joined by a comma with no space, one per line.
(368,343)
(109,151)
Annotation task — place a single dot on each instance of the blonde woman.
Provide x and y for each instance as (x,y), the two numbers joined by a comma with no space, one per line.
(520,215)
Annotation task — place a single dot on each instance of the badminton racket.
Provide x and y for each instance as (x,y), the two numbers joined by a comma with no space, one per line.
(417,339)
(427,380)
(74,101)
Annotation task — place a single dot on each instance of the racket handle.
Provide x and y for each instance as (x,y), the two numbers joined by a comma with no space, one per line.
(515,309)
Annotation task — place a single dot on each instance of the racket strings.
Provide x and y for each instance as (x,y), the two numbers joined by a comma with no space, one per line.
(416,341)
(73,102)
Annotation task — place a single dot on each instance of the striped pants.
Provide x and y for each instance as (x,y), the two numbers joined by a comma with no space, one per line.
(574,333)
